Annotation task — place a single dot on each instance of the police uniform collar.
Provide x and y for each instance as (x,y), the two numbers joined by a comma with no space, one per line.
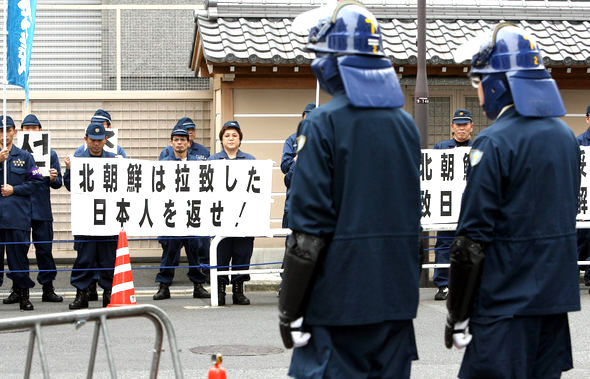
(504,110)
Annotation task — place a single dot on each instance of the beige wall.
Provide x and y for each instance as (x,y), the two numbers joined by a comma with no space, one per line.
(576,102)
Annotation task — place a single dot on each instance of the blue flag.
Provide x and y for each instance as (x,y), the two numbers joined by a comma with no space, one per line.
(20,25)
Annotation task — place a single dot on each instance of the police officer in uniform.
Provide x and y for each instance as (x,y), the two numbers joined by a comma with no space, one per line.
(42,223)
(514,261)
(288,160)
(102,117)
(234,250)
(92,251)
(462,127)
(201,153)
(584,234)
(23,179)
(179,140)
(350,285)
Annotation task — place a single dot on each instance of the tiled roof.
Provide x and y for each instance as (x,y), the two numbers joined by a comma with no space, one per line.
(259,31)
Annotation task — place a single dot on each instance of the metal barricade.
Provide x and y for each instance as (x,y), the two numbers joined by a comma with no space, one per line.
(213,262)
(78,318)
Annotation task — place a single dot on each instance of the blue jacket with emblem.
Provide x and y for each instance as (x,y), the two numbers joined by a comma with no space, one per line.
(82,148)
(521,202)
(84,154)
(358,187)
(41,199)
(200,152)
(23,176)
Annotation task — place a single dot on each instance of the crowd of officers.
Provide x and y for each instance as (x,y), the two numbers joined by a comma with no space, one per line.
(25,212)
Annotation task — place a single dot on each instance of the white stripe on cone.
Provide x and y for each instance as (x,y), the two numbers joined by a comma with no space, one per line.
(122,268)
(122,287)
(122,251)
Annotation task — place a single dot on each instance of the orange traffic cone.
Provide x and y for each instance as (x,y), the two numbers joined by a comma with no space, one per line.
(216,371)
(123,290)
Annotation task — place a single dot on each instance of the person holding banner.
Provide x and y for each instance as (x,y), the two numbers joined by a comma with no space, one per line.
(584,234)
(234,250)
(352,263)
(22,180)
(461,127)
(42,223)
(200,152)
(102,117)
(513,276)
(179,141)
(92,250)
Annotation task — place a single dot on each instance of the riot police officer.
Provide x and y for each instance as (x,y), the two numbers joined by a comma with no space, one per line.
(462,127)
(514,263)
(350,285)
(92,250)
(179,141)
(22,180)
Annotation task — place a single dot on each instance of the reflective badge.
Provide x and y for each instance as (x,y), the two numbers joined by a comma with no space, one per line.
(300,142)
(18,163)
(96,130)
(475,157)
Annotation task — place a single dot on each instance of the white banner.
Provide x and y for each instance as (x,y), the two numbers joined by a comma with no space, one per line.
(37,143)
(170,198)
(443,178)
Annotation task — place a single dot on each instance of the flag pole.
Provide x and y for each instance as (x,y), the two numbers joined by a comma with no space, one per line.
(4,81)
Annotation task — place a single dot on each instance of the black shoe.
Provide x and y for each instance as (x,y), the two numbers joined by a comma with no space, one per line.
(238,297)
(12,298)
(24,302)
(442,293)
(49,295)
(106,298)
(200,293)
(220,294)
(92,293)
(81,300)
(163,292)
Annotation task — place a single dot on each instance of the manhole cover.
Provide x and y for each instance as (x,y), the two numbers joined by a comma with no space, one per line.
(237,350)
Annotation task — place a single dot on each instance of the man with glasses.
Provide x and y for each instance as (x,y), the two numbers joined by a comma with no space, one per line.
(461,127)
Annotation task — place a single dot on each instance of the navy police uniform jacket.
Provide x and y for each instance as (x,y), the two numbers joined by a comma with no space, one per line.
(23,175)
(82,148)
(288,164)
(451,144)
(356,185)
(84,154)
(584,138)
(521,202)
(40,199)
(200,152)
(223,155)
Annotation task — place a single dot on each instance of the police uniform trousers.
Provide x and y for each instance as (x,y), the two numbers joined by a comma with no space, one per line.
(584,251)
(238,250)
(442,255)
(42,230)
(382,350)
(520,347)
(16,255)
(202,245)
(94,252)
(171,257)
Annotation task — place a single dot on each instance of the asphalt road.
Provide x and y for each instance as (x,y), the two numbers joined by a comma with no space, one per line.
(246,335)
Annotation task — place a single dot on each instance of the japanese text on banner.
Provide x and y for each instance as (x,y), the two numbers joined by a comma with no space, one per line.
(170,198)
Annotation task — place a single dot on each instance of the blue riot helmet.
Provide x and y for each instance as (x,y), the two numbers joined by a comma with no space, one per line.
(350,57)
(510,67)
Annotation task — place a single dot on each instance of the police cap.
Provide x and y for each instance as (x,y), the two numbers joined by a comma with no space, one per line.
(95,130)
(101,116)
(186,122)
(462,116)
(31,120)
(9,121)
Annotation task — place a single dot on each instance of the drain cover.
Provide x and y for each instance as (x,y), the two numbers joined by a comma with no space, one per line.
(237,350)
